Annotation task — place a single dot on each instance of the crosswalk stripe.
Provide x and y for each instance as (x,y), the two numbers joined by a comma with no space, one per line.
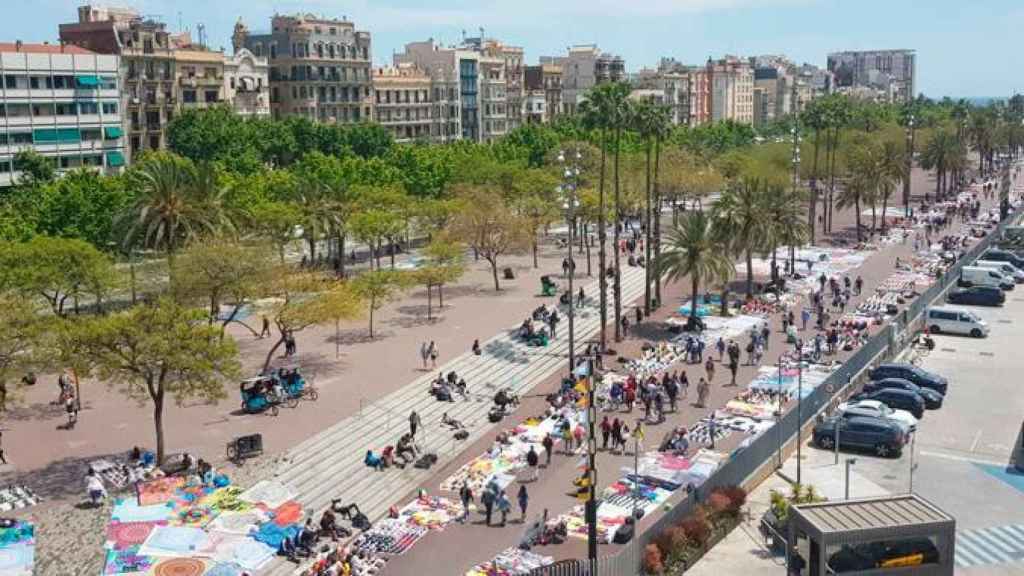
(989,537)
(980,549)
(1013,544)
(964,557)
(1016,530)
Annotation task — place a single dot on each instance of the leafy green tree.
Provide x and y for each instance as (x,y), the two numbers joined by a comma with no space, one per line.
(537,139)
(488,225)
(176,202)
(155,351)
(449,256)
(378,287)
(425,171)
(21,332)
(215,134)
(695,250)
(369,140)
(276,222)
(941,152)
(380,218)
(81,204)
(35,168)
(56,269)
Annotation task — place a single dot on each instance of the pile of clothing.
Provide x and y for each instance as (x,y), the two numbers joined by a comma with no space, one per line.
(511,562)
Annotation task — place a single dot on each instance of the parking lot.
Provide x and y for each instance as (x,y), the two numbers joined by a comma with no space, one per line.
(962,452)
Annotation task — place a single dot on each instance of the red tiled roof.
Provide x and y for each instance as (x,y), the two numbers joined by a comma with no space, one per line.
(43,48)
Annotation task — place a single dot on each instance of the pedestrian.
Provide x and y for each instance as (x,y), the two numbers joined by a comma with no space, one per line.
(606,430)
(765,333)
(553,320)
(476,348)
(659,406)
(466,497)
(265,332)
(565,267)
(709,367)
(71,408)
(858,285)
(684,384)
(433,354)
(672,390)
(94,487)
(487,499)
(503,506)
(625,325)
(758,352)
(414,423)
(805,315)
(616,434)
(720,345)
(549,445)
(580,297)
(532,460)
(424,353)
(524,500)
(3,457)
(734,366)
(639,315)
(577,434)
(638,436)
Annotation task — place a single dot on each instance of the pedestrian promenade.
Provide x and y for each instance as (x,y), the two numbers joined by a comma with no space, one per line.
(330,465)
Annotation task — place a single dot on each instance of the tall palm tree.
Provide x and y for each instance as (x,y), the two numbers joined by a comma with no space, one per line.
(741,213)
(982,130)
(176,203)
(597,111)
(618,121)
(863,182)
(694,249)
(814,116)
(893,171)
(784,224)
(939,154)
(649,120)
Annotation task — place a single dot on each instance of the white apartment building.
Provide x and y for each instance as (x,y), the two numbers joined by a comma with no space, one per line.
(246,83)
(63,102)
(732,90)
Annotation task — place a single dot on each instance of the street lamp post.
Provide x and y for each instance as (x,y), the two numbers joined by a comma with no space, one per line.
(778,413)
(913,465)
(909,167)
(849,464)
(570,179)
(799,403)
(591,506)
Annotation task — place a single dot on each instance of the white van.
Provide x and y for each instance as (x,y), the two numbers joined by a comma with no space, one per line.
(945,320)
(1005,268)
(977,276)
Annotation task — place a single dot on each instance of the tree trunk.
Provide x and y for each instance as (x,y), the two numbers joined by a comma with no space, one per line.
(618,269)
(430,298)
(586,232)
(885,208)
(440,296)
(373,304)
(832,178)
(750,272)
(657,223)
(341,248)
(158,423)
(131,276)
(695,286)
(856,206)
(311,242)
(535,251)
(602,237)
(232,318)
(494,273)
(647,233)
(270,354)
(813,202)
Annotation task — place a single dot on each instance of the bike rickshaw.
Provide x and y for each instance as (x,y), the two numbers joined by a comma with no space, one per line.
(258,395)
(294,384)
(548,286)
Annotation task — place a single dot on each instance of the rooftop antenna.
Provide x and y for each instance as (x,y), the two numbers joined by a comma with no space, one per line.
(201,31)
(481,35)
(179,21)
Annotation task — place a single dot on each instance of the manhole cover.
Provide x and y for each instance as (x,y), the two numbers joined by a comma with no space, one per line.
(985,354)
(948,349)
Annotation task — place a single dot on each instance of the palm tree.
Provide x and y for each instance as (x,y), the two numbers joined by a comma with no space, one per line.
(176,203)
(650,121)
(893,171)
(598,111)
(694,249)
(784,224)
(617,121)
(982,131)
(940,154)
(864,182)
(814,116)
(740,212)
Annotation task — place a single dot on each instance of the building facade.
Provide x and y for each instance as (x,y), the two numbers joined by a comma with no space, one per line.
(403,102)
(700,96)
(675,89)
(247,83)
(732,90)
(319,68)
(584,67)
(544,92)
(62,101)
(888,75)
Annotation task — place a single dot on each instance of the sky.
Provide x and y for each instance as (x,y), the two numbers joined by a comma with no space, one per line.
(964,48)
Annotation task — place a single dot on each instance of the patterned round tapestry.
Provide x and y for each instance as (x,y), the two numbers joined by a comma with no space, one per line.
(125,534)
(180,567)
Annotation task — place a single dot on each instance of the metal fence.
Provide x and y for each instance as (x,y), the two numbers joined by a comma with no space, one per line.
(745,462)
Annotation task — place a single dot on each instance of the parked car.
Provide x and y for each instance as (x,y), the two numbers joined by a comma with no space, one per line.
(876,409)
(976,296)
(922,378)
(1004,256)
(880,555)
(932,399)
(893,398)
(954,321)
(1005,268)
(885,438)
(978,276)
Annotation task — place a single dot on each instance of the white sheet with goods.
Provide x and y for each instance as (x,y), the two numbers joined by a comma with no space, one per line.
(725,328)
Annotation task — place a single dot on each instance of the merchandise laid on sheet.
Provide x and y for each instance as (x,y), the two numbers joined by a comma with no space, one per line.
(511,562)
(17,548)
(174,526)
(17,497)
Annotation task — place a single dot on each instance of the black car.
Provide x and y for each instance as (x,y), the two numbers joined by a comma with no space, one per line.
(1004,256)
(932,399)
(885,438)
(878,555)
(922,378)
(896,399)
(977,296)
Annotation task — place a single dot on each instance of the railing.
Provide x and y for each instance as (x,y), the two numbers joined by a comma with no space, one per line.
(745,462)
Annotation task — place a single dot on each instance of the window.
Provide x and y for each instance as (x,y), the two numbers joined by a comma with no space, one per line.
(273,51)
(5,166)
(154,142)
(210,72)
(110,107)
(108,82)
(211,95)
(188,96)
(20,137)
(257,50)
(91,134)
(10,81)
(42,109)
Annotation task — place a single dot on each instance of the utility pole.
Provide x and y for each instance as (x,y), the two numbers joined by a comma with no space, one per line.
(909,167)
(570,179)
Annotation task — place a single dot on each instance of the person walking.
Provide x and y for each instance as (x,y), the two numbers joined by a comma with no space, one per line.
(625,325)
(734,366)
(606,431)
(414,423)
(720,346)
(765,333)
(549,445)
(805,316)
(638,436)
(703,389)
(580,297)
(616,434)
(524,499)
(684,384)
(433,354)
(487,499)
(424,353)
(503,506)
(858,285)
(533,460)
(709,367)
(466,497)
(265,332)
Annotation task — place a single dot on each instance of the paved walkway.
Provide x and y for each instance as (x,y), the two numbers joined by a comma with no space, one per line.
(330,464)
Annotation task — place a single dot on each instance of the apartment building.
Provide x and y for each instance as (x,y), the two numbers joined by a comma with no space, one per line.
(543,92)
(584,67)
(888,75)
(700,96)
(164,72)
(731,81)
(319,68)
(63,102)
(675,91)
(403,103)
(513,72)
